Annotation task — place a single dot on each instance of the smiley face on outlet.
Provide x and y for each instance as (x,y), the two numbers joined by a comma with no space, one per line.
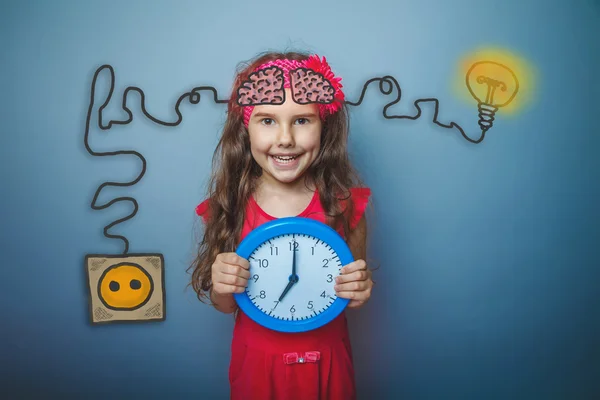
(125,286)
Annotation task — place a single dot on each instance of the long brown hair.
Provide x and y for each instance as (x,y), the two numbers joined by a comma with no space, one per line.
(234,178)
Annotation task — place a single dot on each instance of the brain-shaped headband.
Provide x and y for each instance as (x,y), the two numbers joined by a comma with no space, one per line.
(311,82)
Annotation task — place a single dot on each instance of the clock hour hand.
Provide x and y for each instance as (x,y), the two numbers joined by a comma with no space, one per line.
(287,289)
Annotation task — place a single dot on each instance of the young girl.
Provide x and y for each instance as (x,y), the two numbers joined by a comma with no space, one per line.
(283,152)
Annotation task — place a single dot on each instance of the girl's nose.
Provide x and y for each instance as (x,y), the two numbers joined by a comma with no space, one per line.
(286,136)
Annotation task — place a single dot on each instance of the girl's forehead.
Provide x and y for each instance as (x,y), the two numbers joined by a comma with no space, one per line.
(289,106)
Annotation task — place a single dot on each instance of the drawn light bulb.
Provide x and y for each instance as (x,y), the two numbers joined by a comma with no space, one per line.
(493,85)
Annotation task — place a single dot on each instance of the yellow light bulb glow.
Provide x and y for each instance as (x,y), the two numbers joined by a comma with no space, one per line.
(493,85)
(496,78)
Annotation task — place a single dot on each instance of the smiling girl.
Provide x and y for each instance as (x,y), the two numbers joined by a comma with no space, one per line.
(283,152)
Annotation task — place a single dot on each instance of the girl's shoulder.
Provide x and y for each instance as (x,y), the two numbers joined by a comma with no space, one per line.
(202,209)
(360,193)
(359,196)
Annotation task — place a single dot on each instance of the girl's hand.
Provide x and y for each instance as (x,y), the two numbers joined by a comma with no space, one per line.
(354,283)
(230,274)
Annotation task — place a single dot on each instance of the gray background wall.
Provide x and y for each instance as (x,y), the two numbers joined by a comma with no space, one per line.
(488,285)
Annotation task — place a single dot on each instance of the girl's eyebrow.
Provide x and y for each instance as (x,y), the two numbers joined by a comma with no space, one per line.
(304,115)
(263,114)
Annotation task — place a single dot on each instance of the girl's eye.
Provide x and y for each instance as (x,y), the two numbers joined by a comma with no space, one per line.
(304,121)
(267,121)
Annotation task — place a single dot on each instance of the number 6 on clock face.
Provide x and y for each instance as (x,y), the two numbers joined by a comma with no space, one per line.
(293,265)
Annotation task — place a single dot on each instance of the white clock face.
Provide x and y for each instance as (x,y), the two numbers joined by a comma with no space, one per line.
(317,266)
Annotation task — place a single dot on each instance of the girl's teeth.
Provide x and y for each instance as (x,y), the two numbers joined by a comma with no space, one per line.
(284,158)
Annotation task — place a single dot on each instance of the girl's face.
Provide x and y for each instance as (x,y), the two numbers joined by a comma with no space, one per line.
(285,139)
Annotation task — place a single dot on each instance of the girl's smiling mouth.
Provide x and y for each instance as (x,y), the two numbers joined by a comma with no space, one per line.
(285,157)
(286,161)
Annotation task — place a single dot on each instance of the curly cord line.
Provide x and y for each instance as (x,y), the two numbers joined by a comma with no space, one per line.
(391,83)
(194,97)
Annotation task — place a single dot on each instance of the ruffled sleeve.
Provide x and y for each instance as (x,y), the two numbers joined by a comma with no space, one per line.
(360,198)
(202,210)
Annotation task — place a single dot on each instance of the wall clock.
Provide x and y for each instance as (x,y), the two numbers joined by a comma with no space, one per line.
(293,265)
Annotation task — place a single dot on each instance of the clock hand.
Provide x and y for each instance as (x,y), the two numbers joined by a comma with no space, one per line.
(293,278)
(294,262)
(287,288)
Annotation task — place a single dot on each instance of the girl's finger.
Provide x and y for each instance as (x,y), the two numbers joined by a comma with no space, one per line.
(354,266)
(233,280)
(234,259)
(356,303)
(360,275)
(236,270)
(223,288)
(354,286)
(352,295)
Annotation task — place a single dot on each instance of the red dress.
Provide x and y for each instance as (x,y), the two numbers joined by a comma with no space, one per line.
(312,365)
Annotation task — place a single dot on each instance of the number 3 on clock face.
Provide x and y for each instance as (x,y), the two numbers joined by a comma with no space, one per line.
(293,265)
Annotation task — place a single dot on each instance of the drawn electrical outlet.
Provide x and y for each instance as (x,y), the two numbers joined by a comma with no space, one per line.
(126,288)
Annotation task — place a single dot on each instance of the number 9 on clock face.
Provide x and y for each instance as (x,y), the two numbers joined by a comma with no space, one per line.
(293,265)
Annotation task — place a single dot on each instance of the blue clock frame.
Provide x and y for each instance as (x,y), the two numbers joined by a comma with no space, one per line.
(291,225)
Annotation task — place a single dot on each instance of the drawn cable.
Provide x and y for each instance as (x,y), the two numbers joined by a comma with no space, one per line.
(194,97)
(391,82)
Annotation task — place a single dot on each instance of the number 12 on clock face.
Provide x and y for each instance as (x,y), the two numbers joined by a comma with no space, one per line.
(293,265)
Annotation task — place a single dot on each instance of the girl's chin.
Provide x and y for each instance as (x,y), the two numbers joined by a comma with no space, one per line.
(287,173)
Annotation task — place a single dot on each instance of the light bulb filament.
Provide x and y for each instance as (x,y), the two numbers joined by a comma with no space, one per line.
(492,85)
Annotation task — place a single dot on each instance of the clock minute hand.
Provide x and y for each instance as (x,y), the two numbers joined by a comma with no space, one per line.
(293,278)
(294,262)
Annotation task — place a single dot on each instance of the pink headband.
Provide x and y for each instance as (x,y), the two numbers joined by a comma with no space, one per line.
(311,81)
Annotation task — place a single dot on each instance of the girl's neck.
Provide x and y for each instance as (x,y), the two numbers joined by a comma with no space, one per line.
(283,200)
(303,185)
